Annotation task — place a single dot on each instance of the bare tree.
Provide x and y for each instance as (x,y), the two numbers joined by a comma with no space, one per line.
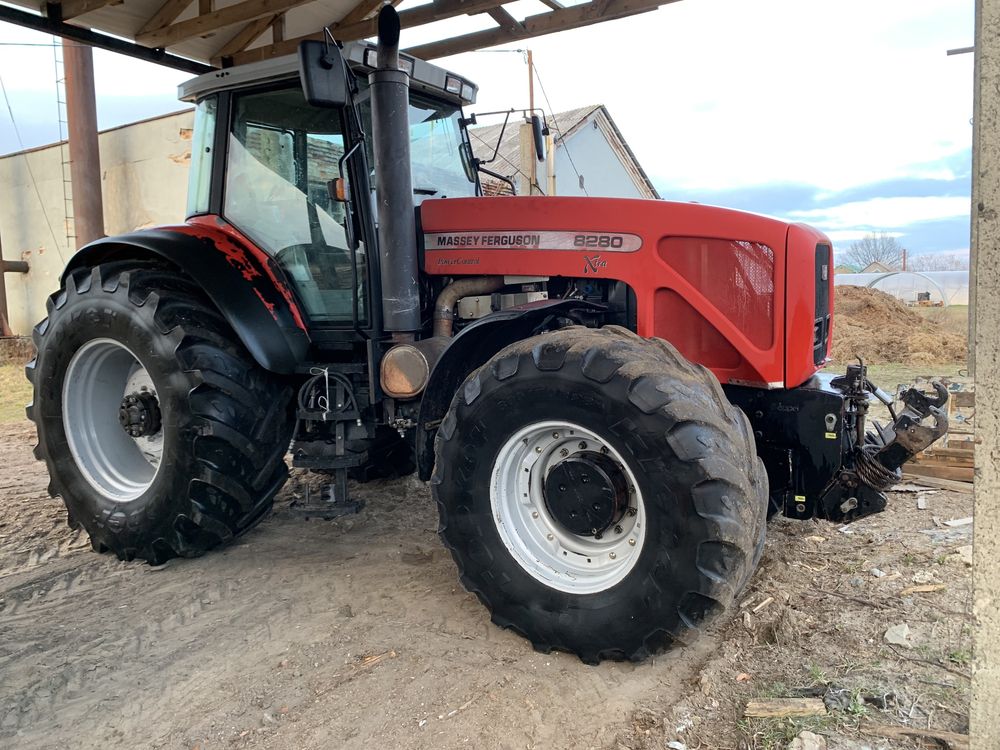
(879,247)
(952,261)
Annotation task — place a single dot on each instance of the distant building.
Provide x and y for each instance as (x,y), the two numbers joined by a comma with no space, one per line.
(591,157)
(877,267)
(845,269)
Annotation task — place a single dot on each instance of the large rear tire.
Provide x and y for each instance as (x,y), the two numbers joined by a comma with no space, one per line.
(599,493)
(161,434)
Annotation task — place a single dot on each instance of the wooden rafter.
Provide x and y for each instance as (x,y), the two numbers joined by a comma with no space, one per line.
(361,11)
(248,10)
(74,8)
(278,28)
(563,19)
(165,15)
(244,37)
(504,19)
(422,14)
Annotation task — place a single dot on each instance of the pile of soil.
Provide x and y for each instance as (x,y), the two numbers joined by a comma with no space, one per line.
(879,328)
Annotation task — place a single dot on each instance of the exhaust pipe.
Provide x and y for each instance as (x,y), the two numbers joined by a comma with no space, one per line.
(397,230)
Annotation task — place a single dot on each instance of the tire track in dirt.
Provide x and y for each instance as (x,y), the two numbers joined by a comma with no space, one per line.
(265,644)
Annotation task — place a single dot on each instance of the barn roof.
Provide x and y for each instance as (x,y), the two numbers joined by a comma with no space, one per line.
(195,34)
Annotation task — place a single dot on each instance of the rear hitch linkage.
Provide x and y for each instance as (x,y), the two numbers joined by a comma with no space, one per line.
(872,459)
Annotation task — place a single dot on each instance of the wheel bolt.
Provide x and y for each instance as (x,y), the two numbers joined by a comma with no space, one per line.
(582,446)
(631,511)
(631,542)
(618,529)
(564,453)
(549,537)
(538,449)
(534,514)
(612,555)
(604,450)
(555,435)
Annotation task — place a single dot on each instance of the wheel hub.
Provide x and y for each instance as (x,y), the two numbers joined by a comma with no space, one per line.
(139,414)
(586,493)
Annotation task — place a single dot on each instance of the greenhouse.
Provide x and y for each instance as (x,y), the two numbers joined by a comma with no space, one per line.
(914,287)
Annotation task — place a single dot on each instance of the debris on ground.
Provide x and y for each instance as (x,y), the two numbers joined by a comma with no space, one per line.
(807,740)
(898,635)
(782,707)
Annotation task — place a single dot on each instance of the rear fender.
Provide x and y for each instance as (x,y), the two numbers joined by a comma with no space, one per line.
(244,283)
(474,346)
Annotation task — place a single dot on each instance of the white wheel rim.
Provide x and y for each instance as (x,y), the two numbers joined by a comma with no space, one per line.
(117,465)
(539,543)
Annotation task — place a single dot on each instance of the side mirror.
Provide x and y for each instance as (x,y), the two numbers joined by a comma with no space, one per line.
(538,136)
(321,70)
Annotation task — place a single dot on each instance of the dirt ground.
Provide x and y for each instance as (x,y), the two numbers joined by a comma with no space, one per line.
(355,633)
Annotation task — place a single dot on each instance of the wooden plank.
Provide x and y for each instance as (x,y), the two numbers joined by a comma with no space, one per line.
(423,14)
(944,484)
(966,399)
(248,10)
(783,707)
(164,16)
(244,37)
(205,7)
(74,8)
(950,452)
(952,473)
(564,19)
(278,28)
(951,740)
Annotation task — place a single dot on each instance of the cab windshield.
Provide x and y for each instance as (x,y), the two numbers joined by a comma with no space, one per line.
(436,162)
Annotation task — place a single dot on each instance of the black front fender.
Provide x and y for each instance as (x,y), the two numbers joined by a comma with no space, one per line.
(473,347)
(247,287)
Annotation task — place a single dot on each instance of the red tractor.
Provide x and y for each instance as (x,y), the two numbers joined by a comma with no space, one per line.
(609,397)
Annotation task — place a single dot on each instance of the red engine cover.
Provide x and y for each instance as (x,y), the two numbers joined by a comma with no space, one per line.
(733,291)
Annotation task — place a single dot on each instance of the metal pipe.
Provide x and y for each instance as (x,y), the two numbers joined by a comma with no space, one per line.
(444,307)
(397,229)
(85,158)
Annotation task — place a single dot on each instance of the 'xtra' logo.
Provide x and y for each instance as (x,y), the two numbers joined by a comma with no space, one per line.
(591,263)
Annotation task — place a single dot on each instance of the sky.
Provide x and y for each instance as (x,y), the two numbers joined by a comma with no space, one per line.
(848,115)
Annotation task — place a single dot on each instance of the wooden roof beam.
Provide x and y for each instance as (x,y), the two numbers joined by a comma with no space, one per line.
(165,16)
(422,14)
(563,19)
(249,10)
(73,8)
(244,37)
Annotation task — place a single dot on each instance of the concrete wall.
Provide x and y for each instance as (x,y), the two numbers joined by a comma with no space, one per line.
(144,170)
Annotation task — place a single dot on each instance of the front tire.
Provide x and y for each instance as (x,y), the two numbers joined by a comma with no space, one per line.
(161,434)
(599,493)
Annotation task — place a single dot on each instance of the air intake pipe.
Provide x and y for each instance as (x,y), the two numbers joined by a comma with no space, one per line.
(397,231)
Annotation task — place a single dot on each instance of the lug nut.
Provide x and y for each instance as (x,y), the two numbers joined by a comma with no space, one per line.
(564,453)
(631,542)
(612,555)
(549,537)
(618,529)
(582,446)
(538,449)
(534,514)
(555,435)
(604,450)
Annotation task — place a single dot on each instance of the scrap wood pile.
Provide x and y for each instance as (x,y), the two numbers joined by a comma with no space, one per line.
(879,328)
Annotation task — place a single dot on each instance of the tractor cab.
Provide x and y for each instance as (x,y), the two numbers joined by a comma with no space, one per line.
(297,180)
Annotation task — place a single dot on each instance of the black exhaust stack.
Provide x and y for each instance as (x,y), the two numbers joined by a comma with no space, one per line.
(397,231)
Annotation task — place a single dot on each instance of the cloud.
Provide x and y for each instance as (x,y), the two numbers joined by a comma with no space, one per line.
(877,213)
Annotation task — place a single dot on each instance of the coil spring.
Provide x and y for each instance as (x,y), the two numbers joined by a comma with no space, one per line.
(873,473)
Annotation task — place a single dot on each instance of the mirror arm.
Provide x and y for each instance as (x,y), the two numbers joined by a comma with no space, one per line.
(491,173)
